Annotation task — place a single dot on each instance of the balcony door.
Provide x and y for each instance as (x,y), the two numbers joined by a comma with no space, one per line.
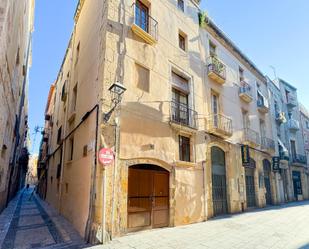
(215,109)
(181,107)
(141,15)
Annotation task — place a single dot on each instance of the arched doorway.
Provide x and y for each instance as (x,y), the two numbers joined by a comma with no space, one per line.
(250,184)
(267,171)
(219,196)
(148,197)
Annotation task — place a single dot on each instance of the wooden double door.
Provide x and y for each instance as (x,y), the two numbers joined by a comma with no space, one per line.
(148,197)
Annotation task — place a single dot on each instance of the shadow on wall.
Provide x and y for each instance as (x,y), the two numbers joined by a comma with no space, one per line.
(188,198)
(151,112)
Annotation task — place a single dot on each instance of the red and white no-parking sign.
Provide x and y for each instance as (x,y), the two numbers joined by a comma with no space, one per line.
(106,156)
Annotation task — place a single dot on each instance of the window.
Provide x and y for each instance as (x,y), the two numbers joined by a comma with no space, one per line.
(180,107)
(182,41)
(74,99)
(59,135)
(276,107)
(3,151)
(307,124)
(241,74)
(262,128)
(71,148)
(184,149)
(142,77)
(181,5)
(287,95)
(215,109)
(293,149)
(212,49)
(258,85)
(214,103)
(290,115)
(63,92)
(77,53)
(141,15)
(58,171)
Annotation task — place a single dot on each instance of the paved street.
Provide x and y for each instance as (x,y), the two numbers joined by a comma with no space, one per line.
(30,223)
(286,226)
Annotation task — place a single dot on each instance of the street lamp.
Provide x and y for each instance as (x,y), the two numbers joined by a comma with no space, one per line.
(117,90)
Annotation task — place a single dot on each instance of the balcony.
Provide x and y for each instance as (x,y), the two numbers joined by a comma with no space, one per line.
(144,26)
(291,100)
(182,116)
(245,92)
(262,104)
(219,125)
(280,117)
(251,138)
(299,159)
(293,125)
(284,156)
(268,144)
(216,69)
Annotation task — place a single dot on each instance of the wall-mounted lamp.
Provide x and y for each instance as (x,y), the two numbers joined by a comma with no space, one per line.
(117,90)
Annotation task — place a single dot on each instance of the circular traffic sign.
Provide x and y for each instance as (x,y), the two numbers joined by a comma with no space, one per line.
(106,156)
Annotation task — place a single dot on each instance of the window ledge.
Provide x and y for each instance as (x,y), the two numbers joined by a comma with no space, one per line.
(143,34)
(185,164)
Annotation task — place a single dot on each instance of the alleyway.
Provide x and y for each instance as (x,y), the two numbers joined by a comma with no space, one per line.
(285,227)
(30,223)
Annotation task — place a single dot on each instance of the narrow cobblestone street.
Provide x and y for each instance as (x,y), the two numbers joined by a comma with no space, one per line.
(30,223)
(285,226)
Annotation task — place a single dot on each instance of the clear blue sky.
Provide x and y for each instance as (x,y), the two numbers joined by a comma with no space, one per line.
(269,32)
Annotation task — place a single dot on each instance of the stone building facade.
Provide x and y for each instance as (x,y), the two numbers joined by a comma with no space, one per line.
(16,26)
(192,136)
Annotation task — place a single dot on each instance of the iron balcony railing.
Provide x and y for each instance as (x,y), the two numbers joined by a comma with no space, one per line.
(182,114)
(219,124)
(267,143)
(216,66)
(245,91)
(145,21)
(251,136)
(245,88)
(297,158)
(293,125)
(291,100)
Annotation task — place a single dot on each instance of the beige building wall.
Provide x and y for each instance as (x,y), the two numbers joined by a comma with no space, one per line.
(105,48)
(16,25)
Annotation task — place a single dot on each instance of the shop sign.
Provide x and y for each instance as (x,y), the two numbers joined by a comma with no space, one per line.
(106,156)
(276,163)
(245,155)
